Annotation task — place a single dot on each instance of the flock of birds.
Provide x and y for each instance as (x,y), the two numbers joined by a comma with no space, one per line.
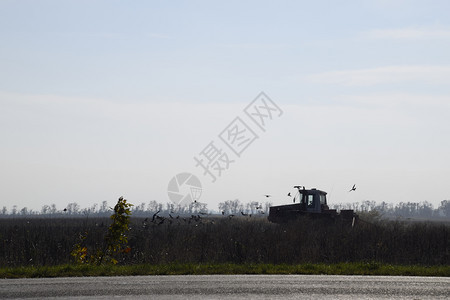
(289,194)
(159,220)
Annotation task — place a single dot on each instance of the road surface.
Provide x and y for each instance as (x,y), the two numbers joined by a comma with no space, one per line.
(230,287)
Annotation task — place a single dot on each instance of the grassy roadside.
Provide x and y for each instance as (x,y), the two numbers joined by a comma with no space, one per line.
(209,269)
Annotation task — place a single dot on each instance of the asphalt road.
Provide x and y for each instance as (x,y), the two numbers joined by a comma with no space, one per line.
(229,287)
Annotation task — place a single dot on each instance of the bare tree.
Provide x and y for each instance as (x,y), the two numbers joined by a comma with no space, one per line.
(445,207)
(45,209)
(24,211)
(152,206)
(73,208)
(104,207)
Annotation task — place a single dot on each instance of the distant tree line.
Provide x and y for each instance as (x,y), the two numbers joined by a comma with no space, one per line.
(421,210)
(143,209)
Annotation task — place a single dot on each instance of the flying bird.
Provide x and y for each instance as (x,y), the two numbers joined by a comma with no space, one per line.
(289,194)
(353,188)
(267,196)
(154,215)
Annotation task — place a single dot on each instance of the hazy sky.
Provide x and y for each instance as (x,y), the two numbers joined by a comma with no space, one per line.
(100,99)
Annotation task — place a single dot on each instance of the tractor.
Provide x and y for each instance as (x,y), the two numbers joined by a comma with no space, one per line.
(312,203)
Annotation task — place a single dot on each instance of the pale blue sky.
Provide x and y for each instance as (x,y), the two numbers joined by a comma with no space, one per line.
(100,99)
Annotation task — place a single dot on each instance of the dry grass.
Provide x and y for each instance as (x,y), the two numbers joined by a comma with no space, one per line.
(239,241)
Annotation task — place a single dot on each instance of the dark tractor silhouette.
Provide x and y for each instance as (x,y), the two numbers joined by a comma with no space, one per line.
(312,203)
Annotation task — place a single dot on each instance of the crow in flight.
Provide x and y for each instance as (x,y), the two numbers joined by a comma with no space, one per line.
(154,215)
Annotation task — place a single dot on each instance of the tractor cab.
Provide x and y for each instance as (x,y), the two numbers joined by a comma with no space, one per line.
(311,201)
